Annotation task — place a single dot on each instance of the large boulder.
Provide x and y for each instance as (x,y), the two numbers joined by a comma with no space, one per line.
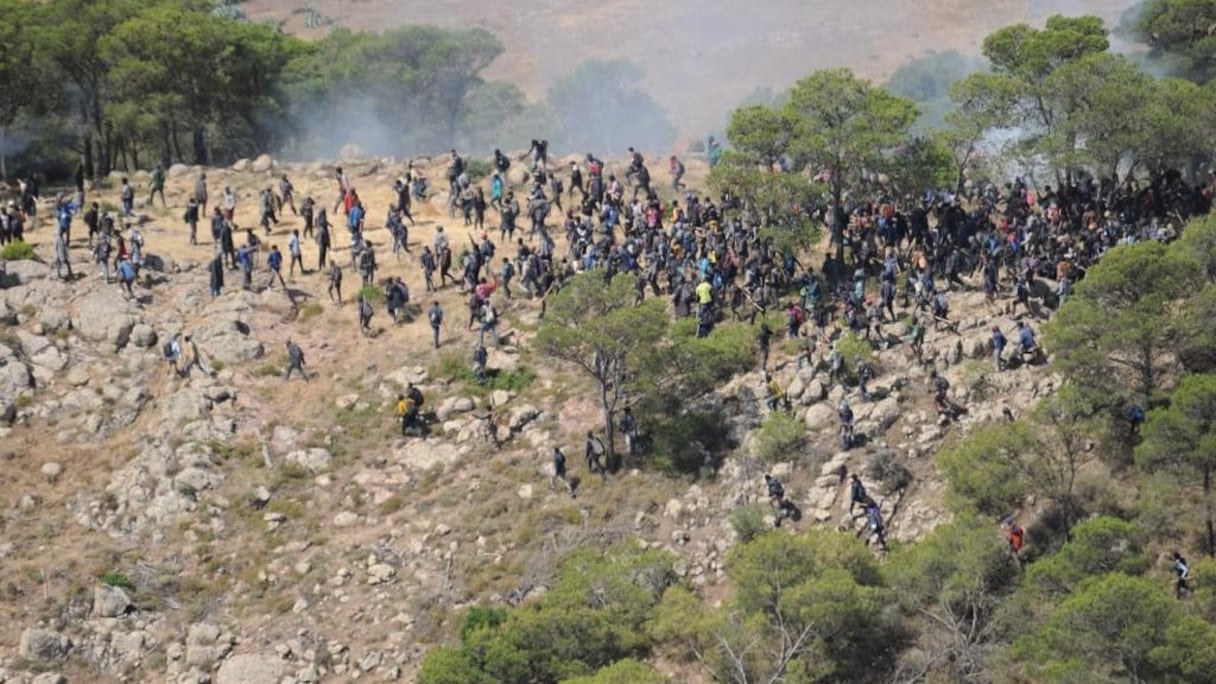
(44,645)
(104,316)
(228,340)
(251,669)
(178,170)
(109,602)
(313,460)
(262,164)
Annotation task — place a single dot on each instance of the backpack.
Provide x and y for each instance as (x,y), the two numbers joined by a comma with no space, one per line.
(416,396)
(775,489)
(167,349)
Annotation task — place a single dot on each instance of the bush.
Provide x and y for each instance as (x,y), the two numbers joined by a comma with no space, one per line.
(748,521)
(705,362)
(18,251)
(372,294)
(477,169)
(684,443)
(117,579)
(853,350)
(455,367)
(309,311)
(884,467)
(781,436)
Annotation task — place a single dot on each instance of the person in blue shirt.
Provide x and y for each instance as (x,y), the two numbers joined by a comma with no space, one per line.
(998,346)
(1026,338)
(126,276)
(274,261)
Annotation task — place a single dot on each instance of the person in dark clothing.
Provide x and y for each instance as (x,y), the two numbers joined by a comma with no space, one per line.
(216,271)
(559,471)
(595,453)
(764,337)
(295,361)
(857,494)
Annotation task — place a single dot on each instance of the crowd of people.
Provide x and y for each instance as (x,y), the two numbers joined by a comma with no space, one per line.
(889,258)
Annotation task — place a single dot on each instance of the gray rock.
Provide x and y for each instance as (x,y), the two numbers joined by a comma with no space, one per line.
(54,319)
(522,416)
(104,316)
(26,271)
(820,416)
(454,405)
(345,519)
(251,669)
(143,336)
(44,644)
(228,340)
(313,460)
(49,678)
(262,164)
(178,170)
(109,602)
(241,165)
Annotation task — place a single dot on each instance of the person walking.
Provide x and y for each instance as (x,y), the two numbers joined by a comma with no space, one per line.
(335,282)
(274,262)
(559,471)
(297,256)
(435,316)
(295,361)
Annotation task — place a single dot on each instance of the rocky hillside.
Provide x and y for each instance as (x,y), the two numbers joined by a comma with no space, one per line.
(235,527)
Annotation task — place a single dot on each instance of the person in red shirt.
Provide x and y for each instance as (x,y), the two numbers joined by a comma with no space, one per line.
(1015,535)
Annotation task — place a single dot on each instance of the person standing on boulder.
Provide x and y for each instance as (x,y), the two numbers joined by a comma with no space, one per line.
(295,361)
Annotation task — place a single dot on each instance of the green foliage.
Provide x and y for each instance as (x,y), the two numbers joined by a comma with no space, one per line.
(846,125)
(780,437)
(805,605)
(1116,331)
(459,368)
(373,294)
(958,575)
(627,671)
(703,363)
(18,251)
(684,442)
(853,350)
(595,327)
(117,579)
(1179,32)
(593,617)
(983,473)
(1181,440)
(1098,546)
(748,521)
(1109,627)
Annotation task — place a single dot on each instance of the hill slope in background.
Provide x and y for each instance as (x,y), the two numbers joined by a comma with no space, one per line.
(702,57)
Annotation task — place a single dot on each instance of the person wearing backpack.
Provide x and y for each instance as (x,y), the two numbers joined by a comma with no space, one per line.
(940,386)
(173,352)
(595,452)
(365,315)
(875,526)
(489,323)
(295,361)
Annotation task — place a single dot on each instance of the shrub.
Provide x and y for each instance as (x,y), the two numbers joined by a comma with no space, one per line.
(685,442)
(477,169)
(457,368)
(372,294)
(853,350)
(18,251)
(309,311)
(748,521)
(117,579)
(780,437)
